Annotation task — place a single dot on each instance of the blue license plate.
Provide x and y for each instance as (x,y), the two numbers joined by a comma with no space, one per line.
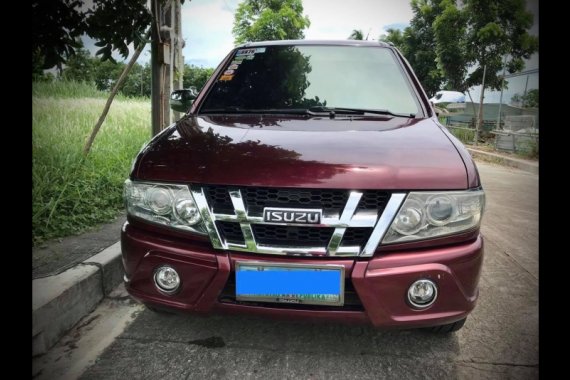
(290,283)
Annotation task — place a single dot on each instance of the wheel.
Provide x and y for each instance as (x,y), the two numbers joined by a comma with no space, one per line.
(446,329)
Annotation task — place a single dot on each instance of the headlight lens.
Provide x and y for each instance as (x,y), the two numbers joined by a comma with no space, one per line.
(426,215)
(165,204)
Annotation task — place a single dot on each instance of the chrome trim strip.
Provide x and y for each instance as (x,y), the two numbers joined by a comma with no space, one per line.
(239,206)
(345,218)
(384,223)
(335,241)
(241,213)
(365,220)
(208,217)
(292,251)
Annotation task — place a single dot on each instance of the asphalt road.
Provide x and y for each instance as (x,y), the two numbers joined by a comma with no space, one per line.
(499,340)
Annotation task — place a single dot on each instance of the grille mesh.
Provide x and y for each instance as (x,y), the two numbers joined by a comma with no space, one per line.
(256,198)
(373,200)
(231,232)
(356,236)
(291,236)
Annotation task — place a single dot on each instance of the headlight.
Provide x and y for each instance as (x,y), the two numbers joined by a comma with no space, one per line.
(166,204)
(427,215)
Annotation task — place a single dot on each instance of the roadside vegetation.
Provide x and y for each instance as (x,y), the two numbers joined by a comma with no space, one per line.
(464,135)
(71,192)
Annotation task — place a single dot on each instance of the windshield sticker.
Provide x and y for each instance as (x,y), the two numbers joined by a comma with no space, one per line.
(233,66)
(249,57)
(245,52)
(226,77)
(250,51)
(229,72)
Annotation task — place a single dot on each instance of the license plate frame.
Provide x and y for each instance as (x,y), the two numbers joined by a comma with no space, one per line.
(308,271)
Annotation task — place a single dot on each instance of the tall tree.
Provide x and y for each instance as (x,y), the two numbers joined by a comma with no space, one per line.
(80,67)
(417,43)
(195,76)
(356,35)
(480,35)
(57,27)
(265,20)
(421,44)
(396,37)
(528,100)
(114,24)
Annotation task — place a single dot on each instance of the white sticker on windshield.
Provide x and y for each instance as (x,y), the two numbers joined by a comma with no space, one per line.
(245,51)
(250,51)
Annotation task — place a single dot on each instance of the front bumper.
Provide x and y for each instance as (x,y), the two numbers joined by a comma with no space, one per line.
(380,282)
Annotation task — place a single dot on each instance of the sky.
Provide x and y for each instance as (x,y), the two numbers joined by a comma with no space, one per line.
(207,24)
(207,29)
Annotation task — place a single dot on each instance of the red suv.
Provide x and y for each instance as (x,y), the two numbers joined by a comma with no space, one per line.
(307,179)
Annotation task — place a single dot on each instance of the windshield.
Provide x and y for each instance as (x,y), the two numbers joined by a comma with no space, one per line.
(300,77)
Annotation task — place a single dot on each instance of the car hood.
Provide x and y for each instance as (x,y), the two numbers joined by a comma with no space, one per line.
(296,151)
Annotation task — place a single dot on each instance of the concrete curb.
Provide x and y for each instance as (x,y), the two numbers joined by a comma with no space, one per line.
(525,165)
(60,301)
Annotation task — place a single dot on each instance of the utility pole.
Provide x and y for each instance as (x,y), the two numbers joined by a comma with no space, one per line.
(525,87)
(166,39)
(156,63)
(480,119)
(178,59)
(501,98)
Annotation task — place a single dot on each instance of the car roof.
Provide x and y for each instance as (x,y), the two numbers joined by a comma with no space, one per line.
(315,42)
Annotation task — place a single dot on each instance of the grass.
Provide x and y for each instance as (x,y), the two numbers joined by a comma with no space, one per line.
(464,135)
(71,193)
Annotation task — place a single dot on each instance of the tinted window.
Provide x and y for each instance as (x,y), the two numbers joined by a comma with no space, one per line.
(292,77)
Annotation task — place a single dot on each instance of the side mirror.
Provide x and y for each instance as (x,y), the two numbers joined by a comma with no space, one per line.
(181,100)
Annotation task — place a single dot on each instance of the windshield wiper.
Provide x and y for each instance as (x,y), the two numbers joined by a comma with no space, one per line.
(331,111)
(233,109)
(224,110)
(357,111)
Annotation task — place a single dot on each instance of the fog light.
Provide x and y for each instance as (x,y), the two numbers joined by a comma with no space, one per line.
(166,279)
(422,293)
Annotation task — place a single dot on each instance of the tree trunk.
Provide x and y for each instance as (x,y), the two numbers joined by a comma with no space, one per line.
(116,87)
(472,104)
(480,118)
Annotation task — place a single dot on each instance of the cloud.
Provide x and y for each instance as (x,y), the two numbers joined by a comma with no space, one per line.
(207,24)
(207,30)
(398,25)
(335,19)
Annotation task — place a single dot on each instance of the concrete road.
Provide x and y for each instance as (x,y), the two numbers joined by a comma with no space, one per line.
(499,340)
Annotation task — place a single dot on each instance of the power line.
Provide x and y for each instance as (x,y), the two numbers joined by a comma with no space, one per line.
(527,72)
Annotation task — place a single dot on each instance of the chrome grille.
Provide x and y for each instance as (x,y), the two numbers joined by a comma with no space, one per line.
(353,222)
(256,198)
